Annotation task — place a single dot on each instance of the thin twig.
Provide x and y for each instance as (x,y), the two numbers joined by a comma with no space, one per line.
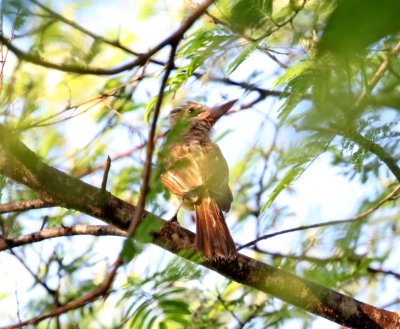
(82,29)
(91,170)
(34,274)
(390,197)
(223,303)
(91,103)
(4,56)
(385,272)
(150,146)
(105,175)
(55,232)
(17,302)
(378,75)
(328,260)
(24,205)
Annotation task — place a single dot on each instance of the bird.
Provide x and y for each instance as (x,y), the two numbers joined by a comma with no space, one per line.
(195,171)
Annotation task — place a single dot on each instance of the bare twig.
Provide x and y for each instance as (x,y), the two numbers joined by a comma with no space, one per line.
(86,105)
(105,175)
(55,232)
(24,205)
(34,274)
(226,307)
(114,43)
(90,170)
(4,56)
(17,302)
(385,272)
(390,197)
(328,260)
(150,146)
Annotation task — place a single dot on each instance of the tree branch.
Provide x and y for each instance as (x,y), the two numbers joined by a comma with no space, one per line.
(22,165)
(24,205)
(96,230)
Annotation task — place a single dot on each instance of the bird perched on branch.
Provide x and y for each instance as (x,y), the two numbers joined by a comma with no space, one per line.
(196,171)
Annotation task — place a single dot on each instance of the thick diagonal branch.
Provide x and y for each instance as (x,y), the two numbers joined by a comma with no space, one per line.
(22,165)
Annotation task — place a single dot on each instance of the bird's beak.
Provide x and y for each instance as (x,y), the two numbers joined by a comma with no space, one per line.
(219,110)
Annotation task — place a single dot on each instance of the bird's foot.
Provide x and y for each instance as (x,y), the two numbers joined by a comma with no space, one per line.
(174,220)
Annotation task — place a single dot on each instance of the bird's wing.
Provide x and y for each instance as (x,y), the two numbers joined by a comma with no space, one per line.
(214,173)
(194,167)
(183,175)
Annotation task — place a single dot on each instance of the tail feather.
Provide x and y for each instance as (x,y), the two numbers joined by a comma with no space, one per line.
(212,233)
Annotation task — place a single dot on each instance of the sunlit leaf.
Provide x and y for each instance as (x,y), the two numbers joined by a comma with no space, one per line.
(241,58)
(293,174)
(129,250)
(144,232)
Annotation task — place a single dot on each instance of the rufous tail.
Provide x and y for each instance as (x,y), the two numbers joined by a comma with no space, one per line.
(212,233)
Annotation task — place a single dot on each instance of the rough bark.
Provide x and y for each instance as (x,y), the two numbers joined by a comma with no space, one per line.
(54,186)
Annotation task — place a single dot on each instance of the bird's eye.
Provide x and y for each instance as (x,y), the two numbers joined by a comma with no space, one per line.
(191,110)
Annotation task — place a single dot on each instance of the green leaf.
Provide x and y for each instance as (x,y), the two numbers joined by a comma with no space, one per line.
(140,316)
(175,306)
(146,228)
(293,72)
(151,105)
(147,9)
(4,295)
(162,325)
(241,58)
(247,14)
(289,178)
(299,79)
(204,45)
(129,250)
(356,24)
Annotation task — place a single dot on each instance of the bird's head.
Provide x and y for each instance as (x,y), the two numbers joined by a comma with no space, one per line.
(192,113)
